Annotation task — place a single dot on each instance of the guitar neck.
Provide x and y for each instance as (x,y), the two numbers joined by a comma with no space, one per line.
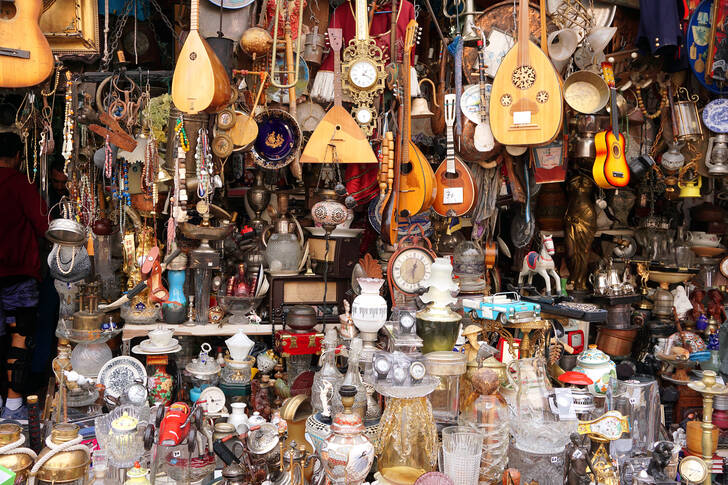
(614,113)
(337,78)
(450,157)
(407,104)
(523,33)
(481,73)
(194,14)
(362,20)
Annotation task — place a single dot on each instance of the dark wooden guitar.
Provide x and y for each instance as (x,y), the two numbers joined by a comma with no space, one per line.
(456,191)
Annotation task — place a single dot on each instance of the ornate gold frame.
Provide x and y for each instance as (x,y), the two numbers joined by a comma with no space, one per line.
(71,26)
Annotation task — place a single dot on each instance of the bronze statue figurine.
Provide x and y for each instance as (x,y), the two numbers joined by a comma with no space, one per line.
(581,226)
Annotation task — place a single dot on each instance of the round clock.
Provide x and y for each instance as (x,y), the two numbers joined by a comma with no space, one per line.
(417,371)
(363,116)
(693,469)
(136,394)
(214,400)
(409,268)
(382,366)
(724,266)
(407,321)
(363,74)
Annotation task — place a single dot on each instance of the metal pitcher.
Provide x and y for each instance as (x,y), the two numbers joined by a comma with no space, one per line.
(600,281)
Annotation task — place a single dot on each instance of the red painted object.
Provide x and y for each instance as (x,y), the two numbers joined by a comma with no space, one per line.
(175,427)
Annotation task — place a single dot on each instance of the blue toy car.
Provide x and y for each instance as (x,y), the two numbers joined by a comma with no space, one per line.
(505,307)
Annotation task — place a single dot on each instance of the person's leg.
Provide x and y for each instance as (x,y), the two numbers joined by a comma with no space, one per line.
(21,304)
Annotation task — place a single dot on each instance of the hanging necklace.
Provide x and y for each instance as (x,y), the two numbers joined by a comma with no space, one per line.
(67,149)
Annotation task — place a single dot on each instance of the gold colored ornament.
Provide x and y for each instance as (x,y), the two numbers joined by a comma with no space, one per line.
(363,71)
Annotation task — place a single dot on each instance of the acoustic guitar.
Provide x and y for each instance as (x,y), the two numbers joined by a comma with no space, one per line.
(200,82)
(456,191)
(526,104)
(25,56)
(417,187)
(610,169)
(338,138)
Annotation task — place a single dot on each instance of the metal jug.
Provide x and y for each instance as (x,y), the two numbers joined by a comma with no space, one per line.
(600,281)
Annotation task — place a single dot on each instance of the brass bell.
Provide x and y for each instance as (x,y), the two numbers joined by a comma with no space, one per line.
(420,109)
(162,176)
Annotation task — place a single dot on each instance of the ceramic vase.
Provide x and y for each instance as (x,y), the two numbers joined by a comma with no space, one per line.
(160,386)
(238,416)
(369,310)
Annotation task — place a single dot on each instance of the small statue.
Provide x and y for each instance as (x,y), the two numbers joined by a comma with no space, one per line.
(715,306)
(696,298)
(577,461)
(347,329)
(541,263)
(471,333)
(660,459)
(581,224)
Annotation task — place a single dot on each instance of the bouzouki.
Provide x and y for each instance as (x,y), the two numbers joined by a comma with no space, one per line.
(610,169)
(456,191)
(25,56)
(417,188)
(525,102)
(200,82)
(338,131)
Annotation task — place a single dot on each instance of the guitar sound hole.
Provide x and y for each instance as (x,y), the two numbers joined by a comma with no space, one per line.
(7,10)
(406,168)
(449,175)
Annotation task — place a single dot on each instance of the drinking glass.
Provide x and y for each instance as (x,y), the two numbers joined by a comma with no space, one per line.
(461,451)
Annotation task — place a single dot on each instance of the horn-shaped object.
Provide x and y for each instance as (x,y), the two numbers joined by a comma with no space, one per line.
(561,46)
(599,37)
(470,30)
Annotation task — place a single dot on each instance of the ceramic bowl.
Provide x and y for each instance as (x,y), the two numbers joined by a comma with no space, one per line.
(161,337)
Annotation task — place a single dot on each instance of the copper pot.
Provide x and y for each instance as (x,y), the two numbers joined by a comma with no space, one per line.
(301,318)
(616,342)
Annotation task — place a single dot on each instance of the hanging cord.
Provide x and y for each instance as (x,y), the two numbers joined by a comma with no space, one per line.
(73,445)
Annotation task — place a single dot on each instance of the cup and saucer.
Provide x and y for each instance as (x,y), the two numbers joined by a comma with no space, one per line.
(160,341)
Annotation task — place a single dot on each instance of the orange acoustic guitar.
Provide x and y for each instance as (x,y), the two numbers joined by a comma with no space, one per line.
(610,168)
(456,192)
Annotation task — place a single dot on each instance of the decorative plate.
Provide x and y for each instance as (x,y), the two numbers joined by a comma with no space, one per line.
(692,340)
(715,115)
(470,102)
(279,138)
(232,4)
(697,44)
(137,349)
(121,372)
(150,347)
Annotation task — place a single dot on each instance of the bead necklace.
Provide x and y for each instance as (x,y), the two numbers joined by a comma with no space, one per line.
(67,149)
(641,103)
(180,132)
(107,158)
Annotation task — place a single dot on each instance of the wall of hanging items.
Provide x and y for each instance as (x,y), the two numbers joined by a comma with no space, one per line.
(364,241)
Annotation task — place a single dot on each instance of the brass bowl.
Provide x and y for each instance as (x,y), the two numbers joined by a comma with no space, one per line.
(586,92)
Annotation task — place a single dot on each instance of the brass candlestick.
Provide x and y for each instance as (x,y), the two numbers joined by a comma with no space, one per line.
(709,388)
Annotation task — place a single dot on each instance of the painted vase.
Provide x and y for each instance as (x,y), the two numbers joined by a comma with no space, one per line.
(600,369)
(160,386)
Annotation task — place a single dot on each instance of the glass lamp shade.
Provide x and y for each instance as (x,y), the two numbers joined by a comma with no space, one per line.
(329,213)
(369,310)
(469,266)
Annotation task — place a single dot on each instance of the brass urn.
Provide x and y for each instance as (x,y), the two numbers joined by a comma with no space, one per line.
(69,467)
(20,463)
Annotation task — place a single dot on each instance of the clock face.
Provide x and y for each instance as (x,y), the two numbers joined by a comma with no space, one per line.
(363,116)
(724,267)
(417,371)
(693,469)
(137,394)
(363,74)
(406,321)
(382,365)
(410,268)
(214,400)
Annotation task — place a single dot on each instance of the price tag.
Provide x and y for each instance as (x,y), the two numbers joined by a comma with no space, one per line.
(521,117)
(176,453)
(554,459)
(453,195)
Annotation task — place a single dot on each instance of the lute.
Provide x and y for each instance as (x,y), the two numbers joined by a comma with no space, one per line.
(526,104)
(456,191)
(338,137)
(200,82)
(25,56)
(610,169)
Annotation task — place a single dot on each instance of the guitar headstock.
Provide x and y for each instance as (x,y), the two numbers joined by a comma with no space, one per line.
(608,73)
(411,35)
(335,39)
(450,109)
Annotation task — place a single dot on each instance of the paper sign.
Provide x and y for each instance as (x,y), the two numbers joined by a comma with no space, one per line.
(521,117)
(453,195)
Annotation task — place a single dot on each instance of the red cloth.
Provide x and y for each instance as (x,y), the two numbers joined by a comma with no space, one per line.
(21,224)
(344,20)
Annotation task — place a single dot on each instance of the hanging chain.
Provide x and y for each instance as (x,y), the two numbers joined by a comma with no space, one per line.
(116,36)
(166,20)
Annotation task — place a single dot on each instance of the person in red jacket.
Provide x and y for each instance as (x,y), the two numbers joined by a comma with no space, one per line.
(23,220)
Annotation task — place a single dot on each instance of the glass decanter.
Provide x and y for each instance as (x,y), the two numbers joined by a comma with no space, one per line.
(352,378)
(328,378)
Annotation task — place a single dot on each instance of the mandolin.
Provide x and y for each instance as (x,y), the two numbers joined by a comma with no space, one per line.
(456,191)
(525,102)
(25,56)
(610,169)
(417,182)
(200,82)
(338,138)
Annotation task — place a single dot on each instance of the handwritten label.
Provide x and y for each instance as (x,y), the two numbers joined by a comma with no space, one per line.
(453,195)
(521,117)
(554,459)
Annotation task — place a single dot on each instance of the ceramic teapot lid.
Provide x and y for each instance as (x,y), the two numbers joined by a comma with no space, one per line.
(593,356)
(205,365)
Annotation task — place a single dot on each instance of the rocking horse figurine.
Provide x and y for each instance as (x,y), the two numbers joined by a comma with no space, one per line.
(541,263)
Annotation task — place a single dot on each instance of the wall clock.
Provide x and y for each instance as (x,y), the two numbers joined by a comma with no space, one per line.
(410,265)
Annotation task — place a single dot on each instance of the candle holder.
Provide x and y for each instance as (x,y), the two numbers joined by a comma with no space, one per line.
(709,388)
